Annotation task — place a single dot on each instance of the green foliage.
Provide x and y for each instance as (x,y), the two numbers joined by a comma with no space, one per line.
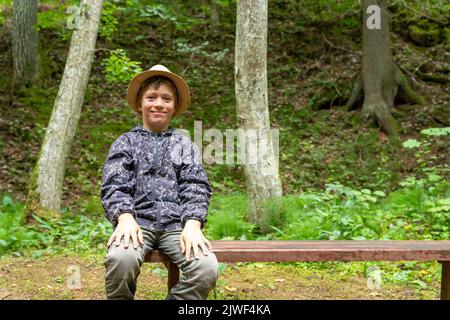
(3,16)
(322,153)
(56,20)
(227,218)
(183,46)
(165,14)
(39,101)
(424,22)
(436,131)
(51,20)
(437,10)
(411,143)
(75,233)
(341,15)
(108,22)
(342,213)
(118,68)
(424,153)
(13,235)
(92,207)
(316,146)
(157,11)
(425,33)
(225,177)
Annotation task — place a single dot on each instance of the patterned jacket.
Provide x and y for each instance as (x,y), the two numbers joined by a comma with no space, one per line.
(157,177)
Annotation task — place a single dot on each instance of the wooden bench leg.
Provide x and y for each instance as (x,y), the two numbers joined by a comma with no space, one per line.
(174,275)
(445,280)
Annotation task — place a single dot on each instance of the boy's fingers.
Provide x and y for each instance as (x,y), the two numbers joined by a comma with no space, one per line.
(118,237)
(204,248)
(210,247)
(187,247)
(195,246)
(134,239)
(127,239)
(183,248)
(140,237)
(110,240)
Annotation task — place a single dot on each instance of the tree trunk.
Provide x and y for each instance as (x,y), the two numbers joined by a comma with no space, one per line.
(24,43)
(380,78)
(378,71)
(45,189)
(262,178)
(214,13)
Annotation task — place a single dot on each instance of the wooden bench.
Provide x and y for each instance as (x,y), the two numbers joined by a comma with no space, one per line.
(327,250)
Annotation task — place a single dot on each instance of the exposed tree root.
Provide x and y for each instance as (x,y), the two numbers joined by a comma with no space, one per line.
(381,111)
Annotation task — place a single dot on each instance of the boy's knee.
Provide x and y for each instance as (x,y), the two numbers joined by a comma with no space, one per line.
(123,261)
(209,271)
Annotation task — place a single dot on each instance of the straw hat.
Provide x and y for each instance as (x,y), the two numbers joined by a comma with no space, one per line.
(184,97)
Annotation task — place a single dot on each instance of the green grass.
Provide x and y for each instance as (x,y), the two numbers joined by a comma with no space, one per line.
(13,235)
(227,218)
(73,233)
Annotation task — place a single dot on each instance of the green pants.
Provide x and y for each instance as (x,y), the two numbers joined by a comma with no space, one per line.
(123,267)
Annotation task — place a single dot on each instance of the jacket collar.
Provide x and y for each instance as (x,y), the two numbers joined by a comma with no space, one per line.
(165,133)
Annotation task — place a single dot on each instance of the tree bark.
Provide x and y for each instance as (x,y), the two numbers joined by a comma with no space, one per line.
(262,178)
(214,13)
(45,189)
(24,43)
(380,80)
(378,71)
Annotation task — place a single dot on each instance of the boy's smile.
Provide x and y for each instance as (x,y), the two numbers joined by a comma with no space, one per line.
(157,107)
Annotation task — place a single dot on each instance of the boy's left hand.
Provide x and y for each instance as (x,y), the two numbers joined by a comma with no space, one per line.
(192,237)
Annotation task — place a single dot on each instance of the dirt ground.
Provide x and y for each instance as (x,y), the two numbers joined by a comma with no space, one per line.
(49,278)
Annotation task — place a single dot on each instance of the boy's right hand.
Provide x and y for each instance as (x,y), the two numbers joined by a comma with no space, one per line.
(126,228)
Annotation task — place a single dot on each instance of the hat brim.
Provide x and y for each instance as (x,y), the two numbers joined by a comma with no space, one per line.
(184,96)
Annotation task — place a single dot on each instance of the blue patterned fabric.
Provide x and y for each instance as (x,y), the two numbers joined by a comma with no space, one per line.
(157,177)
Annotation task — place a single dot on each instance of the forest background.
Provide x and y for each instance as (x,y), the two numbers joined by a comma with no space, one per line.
(342,177)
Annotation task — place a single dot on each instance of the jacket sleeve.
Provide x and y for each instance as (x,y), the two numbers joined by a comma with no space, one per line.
(118,180)
(194,188)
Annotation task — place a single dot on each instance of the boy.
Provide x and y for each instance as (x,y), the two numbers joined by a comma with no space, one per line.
(156,193)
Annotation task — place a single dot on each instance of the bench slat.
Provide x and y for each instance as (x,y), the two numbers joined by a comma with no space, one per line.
(325,250)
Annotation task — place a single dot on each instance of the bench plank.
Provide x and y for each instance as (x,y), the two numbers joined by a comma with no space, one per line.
(325,250)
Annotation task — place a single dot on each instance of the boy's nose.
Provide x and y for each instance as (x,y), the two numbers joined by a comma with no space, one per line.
(158,102)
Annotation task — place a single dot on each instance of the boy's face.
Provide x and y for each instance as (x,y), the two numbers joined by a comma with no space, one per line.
(157,107)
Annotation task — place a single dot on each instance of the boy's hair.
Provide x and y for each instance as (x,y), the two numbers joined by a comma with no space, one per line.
(156,82)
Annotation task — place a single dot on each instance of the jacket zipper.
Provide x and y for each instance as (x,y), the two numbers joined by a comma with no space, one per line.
(155,164)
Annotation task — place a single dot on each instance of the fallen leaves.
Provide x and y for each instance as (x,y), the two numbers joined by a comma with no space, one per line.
(232,289)
(3,296)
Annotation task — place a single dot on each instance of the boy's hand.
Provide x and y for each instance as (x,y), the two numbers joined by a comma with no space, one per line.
(127,227)
(192,237)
